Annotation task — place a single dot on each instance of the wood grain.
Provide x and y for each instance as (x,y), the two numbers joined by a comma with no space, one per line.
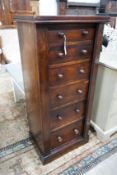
(75,92)
(62,117)
(69,73)
(59,94)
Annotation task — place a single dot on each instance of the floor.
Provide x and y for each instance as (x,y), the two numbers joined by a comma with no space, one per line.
(107,167)
(13,117)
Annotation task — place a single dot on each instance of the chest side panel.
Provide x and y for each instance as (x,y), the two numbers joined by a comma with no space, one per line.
(29,59)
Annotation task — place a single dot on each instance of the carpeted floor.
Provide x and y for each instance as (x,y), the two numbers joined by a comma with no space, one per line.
(13,118)
(17,151)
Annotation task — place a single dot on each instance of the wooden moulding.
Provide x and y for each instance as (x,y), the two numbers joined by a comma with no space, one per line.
(63,19)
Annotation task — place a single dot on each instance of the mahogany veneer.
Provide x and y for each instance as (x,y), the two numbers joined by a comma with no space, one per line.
(59,60)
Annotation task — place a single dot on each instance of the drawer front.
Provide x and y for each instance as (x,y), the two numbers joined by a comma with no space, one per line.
(65,74)
(70,93)
(74,131)
(81,51)
(55,36)
(64,116)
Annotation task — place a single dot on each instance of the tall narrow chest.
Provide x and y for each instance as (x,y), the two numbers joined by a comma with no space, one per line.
(59,61)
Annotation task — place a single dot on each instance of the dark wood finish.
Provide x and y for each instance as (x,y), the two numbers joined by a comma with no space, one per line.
(94,68)
(67,134)
(65,115)
(77,51)
(61,74)
(59,94)
(75,33)
(75,92)
(64,19)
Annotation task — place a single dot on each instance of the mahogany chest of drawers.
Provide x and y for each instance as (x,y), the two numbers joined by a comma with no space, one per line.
(59,61)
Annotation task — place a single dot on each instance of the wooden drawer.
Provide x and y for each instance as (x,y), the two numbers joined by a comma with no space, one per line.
(64,135)
(72,33)
(66,73)
(64,116)
(67,94)
(83,50)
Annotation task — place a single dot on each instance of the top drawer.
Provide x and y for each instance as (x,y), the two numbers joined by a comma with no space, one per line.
(72,33)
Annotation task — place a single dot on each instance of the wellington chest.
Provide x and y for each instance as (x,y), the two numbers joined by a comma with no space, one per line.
(59,61)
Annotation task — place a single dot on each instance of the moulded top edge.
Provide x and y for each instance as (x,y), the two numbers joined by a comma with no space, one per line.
(62,19)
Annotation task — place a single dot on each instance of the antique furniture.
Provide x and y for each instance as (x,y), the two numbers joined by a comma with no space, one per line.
(20,5)
(81,7)
(6,16)
(59,60)
(8,8)
(108,7)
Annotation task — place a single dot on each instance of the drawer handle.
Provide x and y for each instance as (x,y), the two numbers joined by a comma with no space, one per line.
(59,117)
(85,32)
(82,71)
(79,91)
(77,111)
(60,54)
(60,139)
(61,34)
(84,52)
(60,76)
(60,97)
(76,131)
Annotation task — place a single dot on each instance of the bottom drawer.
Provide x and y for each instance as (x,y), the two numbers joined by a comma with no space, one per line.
(73,131)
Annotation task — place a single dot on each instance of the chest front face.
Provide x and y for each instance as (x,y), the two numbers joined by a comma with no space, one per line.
(65,61)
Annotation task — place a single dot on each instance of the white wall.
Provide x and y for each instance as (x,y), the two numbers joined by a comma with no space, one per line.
(47,7)
(10,44)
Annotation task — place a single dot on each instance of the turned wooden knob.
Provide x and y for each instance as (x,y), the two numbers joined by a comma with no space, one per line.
(77,110)
(82,71)
(84,52)
(60,76)
(76,131)
(85,32)
(79,91)
(60,97)
(60,139)
(61,34)
(59,117)
(60,54)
